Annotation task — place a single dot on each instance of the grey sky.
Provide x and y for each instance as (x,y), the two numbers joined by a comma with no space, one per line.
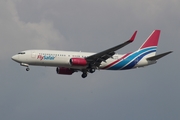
(40,94)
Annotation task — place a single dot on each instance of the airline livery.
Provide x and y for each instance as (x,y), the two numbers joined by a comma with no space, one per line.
(68,62)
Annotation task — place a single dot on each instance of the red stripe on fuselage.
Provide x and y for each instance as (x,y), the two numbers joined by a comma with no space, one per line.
(116,61)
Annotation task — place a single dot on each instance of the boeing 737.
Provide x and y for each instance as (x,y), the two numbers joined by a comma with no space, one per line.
(68,62)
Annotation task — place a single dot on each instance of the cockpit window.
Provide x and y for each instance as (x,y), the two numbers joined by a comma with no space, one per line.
(21,53)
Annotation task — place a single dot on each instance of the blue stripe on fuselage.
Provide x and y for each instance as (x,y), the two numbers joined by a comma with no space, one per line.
(136,60)
(132,59)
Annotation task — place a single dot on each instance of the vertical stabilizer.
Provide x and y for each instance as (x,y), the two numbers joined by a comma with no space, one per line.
(150,45)
(152,40)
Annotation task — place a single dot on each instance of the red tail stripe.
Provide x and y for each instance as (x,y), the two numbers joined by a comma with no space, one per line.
(117,61)
(152,40)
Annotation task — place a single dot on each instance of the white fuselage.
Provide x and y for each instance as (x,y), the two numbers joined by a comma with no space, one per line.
(68,62)
(56,58)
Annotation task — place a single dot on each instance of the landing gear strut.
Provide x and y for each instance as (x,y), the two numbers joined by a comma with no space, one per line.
(25,65)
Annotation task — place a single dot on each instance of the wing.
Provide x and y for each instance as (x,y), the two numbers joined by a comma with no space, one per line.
(96,59)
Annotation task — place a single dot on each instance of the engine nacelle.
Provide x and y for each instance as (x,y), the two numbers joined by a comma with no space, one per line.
(78,62)
(64,71)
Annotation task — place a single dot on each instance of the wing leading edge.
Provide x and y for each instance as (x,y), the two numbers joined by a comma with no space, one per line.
(96,59)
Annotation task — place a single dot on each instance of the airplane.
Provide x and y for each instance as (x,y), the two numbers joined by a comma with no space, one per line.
(68,62)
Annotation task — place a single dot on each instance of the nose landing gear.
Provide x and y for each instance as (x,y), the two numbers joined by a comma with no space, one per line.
(25,65)
(27,69)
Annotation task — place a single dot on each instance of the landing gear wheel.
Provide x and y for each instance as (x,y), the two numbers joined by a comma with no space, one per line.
(92,70)
(84,75)
(27,69)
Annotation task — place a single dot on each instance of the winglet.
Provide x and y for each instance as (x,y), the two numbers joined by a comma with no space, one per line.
(133,37)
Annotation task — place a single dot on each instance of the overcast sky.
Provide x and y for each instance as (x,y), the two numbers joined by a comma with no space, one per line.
(150,93)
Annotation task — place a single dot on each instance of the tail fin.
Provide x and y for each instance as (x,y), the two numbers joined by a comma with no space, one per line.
(150,45)
(152,40)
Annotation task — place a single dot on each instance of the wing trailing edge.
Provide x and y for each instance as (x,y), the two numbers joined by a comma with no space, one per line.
(113,49)
(156,57)
(97,58)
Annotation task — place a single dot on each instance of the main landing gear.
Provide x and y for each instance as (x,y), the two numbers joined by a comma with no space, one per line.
(92,70)
(84,74)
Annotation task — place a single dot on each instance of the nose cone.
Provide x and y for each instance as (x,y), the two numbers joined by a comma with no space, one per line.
(15,58)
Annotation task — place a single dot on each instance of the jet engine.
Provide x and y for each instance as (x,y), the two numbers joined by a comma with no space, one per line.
(78,62)
(64,71)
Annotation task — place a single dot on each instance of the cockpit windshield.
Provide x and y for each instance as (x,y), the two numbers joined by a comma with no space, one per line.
(21,53)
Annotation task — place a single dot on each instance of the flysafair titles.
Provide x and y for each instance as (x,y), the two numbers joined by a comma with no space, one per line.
(45,57)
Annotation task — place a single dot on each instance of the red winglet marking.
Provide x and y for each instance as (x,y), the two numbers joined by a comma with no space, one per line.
(133,37)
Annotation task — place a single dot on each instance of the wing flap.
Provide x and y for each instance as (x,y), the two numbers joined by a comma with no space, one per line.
(156,57)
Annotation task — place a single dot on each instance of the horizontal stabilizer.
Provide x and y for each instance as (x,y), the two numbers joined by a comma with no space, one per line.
(156,57)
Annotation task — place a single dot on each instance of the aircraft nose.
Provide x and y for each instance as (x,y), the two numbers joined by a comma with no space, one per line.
(15,58)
